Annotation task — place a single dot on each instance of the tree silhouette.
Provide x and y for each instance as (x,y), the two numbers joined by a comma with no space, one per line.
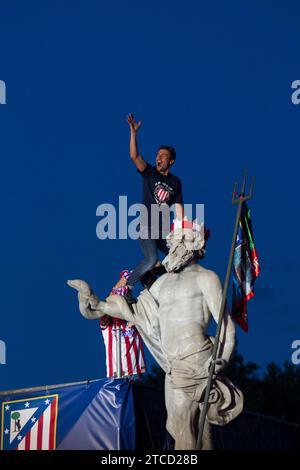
(15,416)
(281,388)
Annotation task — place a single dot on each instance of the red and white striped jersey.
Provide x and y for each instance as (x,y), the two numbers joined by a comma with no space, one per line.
(132,353)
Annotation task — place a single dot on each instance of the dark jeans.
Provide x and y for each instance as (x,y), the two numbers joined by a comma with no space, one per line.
(150,249)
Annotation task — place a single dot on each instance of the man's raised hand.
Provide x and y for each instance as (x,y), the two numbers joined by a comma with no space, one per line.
(134,126)
(134,154)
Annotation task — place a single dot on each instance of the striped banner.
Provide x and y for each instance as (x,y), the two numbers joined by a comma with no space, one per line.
(132,353)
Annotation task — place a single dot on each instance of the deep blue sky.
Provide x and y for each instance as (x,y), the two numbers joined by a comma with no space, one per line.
(211,78)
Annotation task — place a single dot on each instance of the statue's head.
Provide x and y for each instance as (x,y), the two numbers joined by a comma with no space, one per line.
(186,242)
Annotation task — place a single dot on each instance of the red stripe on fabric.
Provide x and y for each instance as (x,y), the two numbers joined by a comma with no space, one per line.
(255,262)
(110,353)
(242,322)
(27,440)
(40,433)
(163,195)
(128,357)
(244,300)
(136,353)
(249,296)
(52,424)
(182,224)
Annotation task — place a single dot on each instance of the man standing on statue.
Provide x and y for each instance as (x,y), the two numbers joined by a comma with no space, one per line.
(160,188)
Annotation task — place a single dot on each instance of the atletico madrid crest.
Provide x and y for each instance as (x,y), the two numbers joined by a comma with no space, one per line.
(29,424)
(161,194)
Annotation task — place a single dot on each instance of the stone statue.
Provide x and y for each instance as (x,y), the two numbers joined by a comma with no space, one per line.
(172,318)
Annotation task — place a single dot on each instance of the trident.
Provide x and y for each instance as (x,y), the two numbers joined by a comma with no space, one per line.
(239,201)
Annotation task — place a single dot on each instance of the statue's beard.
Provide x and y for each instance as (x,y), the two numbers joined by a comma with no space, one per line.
(179,256)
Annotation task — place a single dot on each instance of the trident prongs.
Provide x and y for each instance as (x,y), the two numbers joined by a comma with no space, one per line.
(234,192)
(241,198)
(236,199)
(251,189)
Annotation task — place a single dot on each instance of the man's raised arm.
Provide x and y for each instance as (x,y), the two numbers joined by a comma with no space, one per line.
(137,159)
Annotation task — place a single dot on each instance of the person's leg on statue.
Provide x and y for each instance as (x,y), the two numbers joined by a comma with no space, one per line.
(162,245)
(149,249)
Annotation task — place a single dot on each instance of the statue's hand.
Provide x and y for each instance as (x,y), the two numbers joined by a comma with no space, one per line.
(93,301)
(81,286)
(86,298)
(220,365)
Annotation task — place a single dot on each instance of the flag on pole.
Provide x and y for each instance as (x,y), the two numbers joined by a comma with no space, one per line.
(245,269)
(132,352)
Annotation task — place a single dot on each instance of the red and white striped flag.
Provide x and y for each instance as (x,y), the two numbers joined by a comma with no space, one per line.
(132,352)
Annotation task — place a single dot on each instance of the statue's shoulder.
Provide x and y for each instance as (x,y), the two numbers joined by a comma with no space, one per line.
(159,282)
(156,286)
(206,275)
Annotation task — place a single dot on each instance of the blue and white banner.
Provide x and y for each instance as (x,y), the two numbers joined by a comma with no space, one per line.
(92,416)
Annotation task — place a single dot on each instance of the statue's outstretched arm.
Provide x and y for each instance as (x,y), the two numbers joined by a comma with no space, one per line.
(92,308)
(212,291)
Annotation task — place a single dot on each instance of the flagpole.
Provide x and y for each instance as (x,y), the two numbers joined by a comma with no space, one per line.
(239,201)
(118,331)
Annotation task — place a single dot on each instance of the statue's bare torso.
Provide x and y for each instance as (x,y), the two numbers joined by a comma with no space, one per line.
(183,307)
